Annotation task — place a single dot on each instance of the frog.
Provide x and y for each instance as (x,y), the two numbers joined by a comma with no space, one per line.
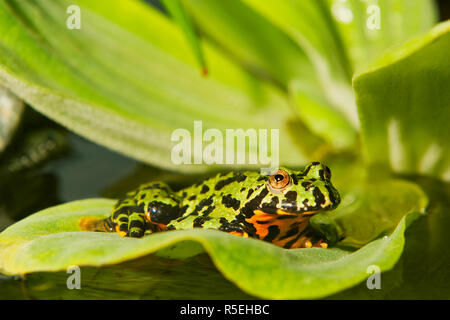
(275,208)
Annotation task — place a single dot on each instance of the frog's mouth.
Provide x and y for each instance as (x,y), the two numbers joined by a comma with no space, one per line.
(287,211)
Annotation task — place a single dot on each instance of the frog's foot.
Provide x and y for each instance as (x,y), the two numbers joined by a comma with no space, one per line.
(239,233)
(132,225)
(309,242)
(319,244)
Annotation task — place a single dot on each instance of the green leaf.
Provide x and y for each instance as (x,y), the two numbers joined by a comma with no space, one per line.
(368,28)
(178,13)
(252,40)
(51,241)
(127,79)
(149,277)
(310,25)
(11,110)
(267,47)
(367,203)
(338,37)
(404,105)
(322,118)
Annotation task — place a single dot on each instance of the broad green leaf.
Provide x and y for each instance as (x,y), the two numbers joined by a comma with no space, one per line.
(370,27)
(404,106)
(257,42)
(310,25)
(339,37)
(422,272)
(178,13)
(252,40)
(51,241)
(367,203)
(127,79)
(322,118)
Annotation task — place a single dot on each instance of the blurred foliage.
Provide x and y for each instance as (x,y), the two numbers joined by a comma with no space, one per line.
(24,186)
(11,109)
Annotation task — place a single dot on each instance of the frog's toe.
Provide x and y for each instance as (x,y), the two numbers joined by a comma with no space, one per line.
(136,233)
(321,244)
(310,243)
(122,229)
(136,226)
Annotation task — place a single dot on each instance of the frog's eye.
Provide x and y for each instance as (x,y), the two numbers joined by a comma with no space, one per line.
(279,180)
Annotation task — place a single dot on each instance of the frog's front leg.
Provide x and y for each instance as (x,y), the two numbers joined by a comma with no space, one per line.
(310,243)
(129,220)
(309,239)
(148,209)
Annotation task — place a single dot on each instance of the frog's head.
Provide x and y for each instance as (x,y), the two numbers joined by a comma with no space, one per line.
(307,192)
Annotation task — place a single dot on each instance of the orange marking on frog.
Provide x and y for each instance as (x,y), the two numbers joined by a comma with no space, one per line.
(237,233)
(262,221)
(121,233)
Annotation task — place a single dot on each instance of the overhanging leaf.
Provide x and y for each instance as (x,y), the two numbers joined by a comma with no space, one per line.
(247,30)
(114,83)
(252,40)
(405,110)
(178,13)
(310,25)
(339,37)
(11,110)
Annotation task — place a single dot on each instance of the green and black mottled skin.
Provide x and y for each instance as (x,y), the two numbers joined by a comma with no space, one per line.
(241,203)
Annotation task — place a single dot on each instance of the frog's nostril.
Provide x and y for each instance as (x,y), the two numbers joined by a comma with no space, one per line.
(327,173)
(289,206)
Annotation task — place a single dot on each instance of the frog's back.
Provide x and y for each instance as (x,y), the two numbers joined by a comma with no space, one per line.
(212,199)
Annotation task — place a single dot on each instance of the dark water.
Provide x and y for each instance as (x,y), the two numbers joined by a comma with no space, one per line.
(78,169)
(88,170)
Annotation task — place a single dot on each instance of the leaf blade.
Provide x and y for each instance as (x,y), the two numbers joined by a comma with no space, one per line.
(69,78)
(178,13)
(400,129)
